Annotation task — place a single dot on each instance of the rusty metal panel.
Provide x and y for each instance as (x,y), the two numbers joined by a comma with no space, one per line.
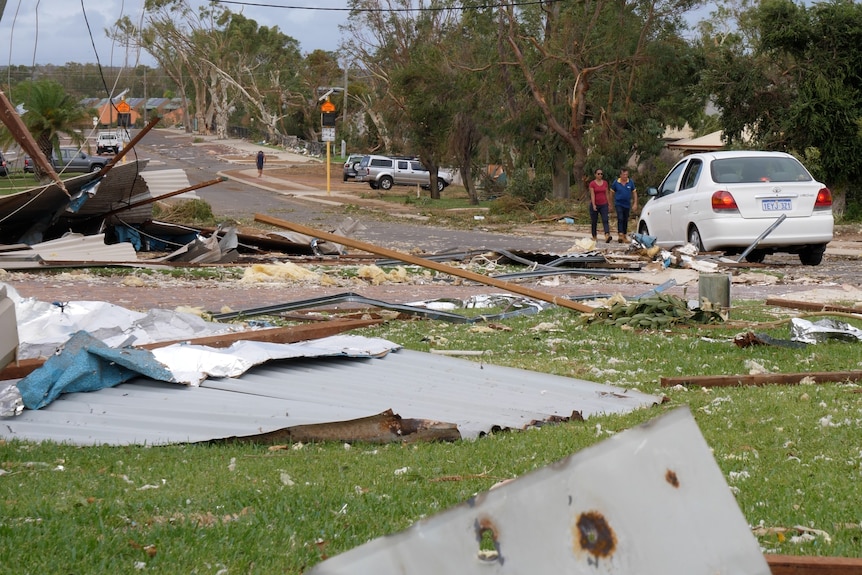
(649,500)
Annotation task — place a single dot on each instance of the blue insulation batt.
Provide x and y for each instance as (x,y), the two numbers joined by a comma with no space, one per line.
(86,364)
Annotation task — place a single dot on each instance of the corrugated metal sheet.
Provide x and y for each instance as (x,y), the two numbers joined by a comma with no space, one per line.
(69,248)
(161,182)
(418,385)
(19,212)
(649,500)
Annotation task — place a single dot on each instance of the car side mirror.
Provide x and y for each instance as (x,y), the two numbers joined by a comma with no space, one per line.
(652,192)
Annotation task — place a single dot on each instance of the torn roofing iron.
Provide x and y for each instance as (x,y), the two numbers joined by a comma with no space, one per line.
(477,398)
(515,305)
(648,500)
(66,250)
(47,207)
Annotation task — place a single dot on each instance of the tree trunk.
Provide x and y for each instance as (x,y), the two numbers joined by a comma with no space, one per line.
(561,182)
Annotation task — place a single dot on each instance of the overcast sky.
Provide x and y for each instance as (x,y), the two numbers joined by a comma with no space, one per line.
(55,31)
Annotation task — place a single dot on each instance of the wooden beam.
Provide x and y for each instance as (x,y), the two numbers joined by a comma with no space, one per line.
(796,565)
(425,263)
(811,306)
(761,379)
(275,335)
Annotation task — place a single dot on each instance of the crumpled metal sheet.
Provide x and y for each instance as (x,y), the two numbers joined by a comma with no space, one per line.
(648,500)
(822,330)
(86,364)
(45,326)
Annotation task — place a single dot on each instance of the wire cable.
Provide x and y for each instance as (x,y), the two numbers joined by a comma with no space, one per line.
(427,9)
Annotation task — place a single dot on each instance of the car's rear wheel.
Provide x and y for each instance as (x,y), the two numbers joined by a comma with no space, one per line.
(694,238)
(385,183)
(96,167)
(755,256)
(812,256)
(441,185)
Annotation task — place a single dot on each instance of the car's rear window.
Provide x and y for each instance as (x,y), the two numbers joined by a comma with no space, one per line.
(758,169)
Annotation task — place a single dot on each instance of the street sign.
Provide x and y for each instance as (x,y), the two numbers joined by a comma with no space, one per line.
(123,107)
(327,135)
(327,106)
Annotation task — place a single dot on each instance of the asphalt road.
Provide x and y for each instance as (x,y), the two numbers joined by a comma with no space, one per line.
(238,200)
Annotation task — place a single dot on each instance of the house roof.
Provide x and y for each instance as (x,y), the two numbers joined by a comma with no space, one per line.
(707,143)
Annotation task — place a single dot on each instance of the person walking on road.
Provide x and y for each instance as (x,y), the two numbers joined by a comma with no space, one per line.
(261,160)
(625,196)
(599,205)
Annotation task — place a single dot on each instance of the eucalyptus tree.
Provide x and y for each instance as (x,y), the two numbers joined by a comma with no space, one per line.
(606,76)
(400,45)
(230,61)
(787,77)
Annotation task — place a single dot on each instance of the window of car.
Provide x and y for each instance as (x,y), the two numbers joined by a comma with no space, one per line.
(668,186)
(759,169)
(402,165)
(381,163)
(418,167)
(692,174)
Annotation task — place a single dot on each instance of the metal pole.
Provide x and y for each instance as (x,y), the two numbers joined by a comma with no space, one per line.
(328,166)
(761,236)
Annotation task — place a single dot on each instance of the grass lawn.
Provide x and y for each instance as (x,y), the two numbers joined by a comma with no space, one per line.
(791,455)
(17,182)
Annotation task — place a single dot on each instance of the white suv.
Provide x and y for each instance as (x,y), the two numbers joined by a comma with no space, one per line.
(384,172)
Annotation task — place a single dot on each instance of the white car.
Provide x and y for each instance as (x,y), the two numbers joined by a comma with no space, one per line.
(724,201)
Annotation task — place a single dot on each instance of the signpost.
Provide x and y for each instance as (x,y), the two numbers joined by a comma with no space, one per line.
(327,123)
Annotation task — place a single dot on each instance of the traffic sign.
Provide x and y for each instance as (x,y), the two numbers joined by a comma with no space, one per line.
(327,106)
(327,135)
(123,107)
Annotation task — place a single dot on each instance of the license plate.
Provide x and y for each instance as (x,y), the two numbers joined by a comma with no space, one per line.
(782,205)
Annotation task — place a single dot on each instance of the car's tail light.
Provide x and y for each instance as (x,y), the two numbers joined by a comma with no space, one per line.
(723,201)
(824,199)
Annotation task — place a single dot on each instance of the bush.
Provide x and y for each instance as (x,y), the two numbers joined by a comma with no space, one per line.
(530,188)
(185,212)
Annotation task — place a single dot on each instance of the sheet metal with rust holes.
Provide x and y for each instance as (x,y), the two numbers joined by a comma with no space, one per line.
(647,500)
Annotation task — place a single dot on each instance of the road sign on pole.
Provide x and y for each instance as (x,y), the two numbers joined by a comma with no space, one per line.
(327,135)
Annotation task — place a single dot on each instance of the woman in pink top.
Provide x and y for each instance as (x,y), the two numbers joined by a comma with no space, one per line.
(599,205)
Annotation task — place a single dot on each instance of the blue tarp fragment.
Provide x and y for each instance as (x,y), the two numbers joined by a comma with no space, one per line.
(86,364)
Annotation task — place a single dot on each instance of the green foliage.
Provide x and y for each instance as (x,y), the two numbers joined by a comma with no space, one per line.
(189,212)
(51,112)
(528,187)
(791,82)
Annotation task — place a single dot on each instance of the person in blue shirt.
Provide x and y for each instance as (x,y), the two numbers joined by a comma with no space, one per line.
(625,201)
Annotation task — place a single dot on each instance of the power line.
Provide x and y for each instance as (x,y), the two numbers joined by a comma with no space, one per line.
(434,9)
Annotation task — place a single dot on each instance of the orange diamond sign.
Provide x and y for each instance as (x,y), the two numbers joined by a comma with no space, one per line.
(327,106)
(123,107)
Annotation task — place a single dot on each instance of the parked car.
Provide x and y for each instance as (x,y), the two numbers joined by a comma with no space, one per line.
(384,172)
(724,201)
(4,168)
(71,161)
(350,165)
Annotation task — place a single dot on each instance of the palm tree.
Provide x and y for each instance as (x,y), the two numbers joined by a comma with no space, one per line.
(49,113)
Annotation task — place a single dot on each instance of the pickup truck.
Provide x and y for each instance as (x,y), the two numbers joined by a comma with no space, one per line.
(108,142)
(384,172)
(71,161)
